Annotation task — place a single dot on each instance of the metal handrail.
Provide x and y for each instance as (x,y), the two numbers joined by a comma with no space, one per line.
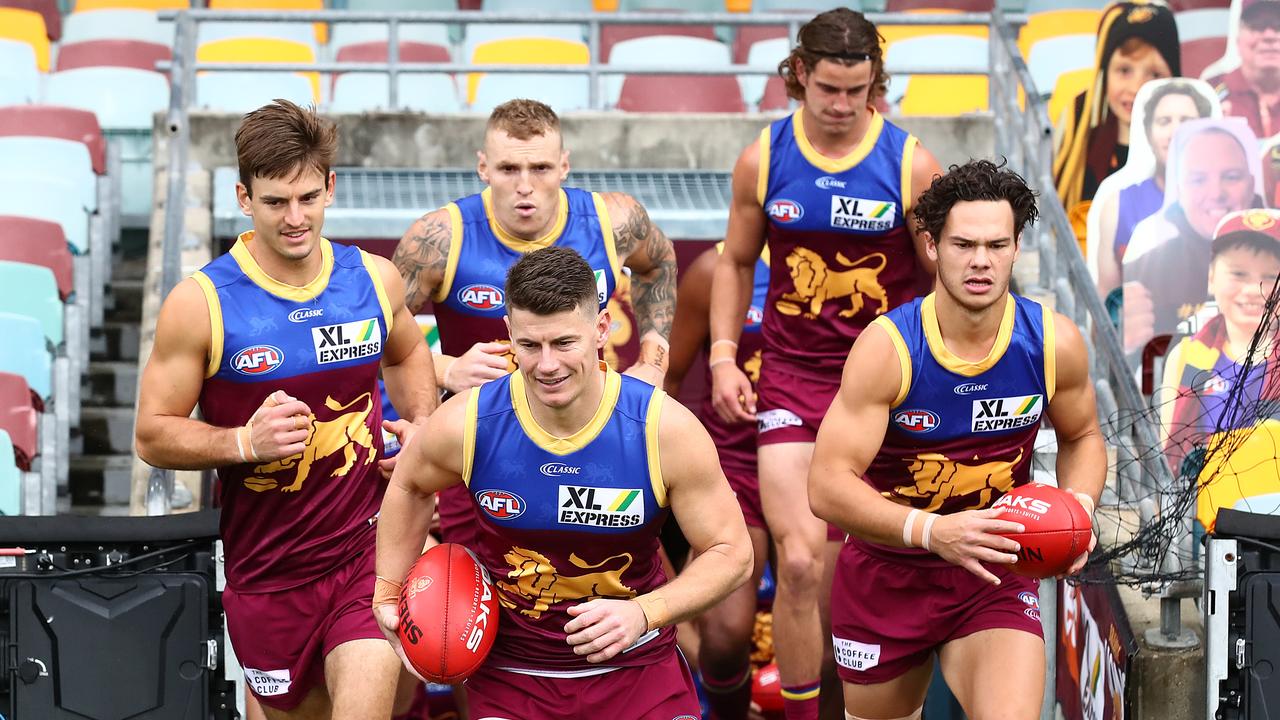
(599,68)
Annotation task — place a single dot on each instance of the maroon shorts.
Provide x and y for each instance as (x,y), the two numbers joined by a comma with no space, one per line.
(281,638)
(789,408)
(662,691)
(888,616)
(746,486)
(457,516)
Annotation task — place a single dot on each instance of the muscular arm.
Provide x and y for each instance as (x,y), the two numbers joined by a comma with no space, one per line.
(406,361)
(421,257)
(924,167)
(648,252)
(1082,457)
(691,324)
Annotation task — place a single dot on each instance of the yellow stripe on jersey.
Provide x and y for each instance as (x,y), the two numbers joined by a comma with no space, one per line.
(953,362)
(521,245)
(469,434)
(455,250)
(904,357)
(580,439)
(762,171)
(376,277)
(606,233)
(908,156)
(1050,354)
(250,267)
(216,330)
(837,165)
(651,423)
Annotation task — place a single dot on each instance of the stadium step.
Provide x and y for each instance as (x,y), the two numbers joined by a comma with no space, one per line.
(107,430)
(111,383)
(124,299)
(115,339)
(101,482)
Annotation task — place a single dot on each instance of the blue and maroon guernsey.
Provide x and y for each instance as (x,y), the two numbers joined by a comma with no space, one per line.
(290,521)
(566,520)
(842,252)
(736,442)
(961,433)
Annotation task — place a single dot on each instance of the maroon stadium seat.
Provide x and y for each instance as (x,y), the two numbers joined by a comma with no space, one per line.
(749,35)
(681,93)
(410,51)
(60,122)
(38,242)
(48,9)
(112,53)
(1201,53)
(951,5)
(19,418)
(1180,5)
(775,95)
(611,34)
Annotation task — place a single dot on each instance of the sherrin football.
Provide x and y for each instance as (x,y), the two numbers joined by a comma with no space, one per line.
(1057,528)
(448,614)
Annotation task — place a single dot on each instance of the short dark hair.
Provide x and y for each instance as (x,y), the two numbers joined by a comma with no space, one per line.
(1256,242)
(975,180)
(1173,87)
(281,138)
(836,35)
(551,280)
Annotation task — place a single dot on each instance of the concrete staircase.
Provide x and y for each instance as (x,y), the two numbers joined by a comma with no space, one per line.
(102,448)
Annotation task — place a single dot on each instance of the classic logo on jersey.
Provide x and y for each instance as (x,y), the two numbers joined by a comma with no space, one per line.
(854,655)
(917,421)
(851,213)
(970,388)
(257,359)
(816,282)
(826,182)
(785,211)
(481,296)
(1009,413)
(348,341)
(535,579)
(556,469)
(305,314)
(602,287)
(600,507)
(501,505)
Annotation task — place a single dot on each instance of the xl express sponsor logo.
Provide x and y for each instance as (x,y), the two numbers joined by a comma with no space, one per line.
(851,213)
(347,341)
(1007,413)
(602,287)
(600,507)
(785,211)
(556,469)
(257,359)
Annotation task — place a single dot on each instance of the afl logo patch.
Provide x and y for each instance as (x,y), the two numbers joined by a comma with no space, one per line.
(785,211)
(501,505)
(257,360)
(481,297)
(916,421)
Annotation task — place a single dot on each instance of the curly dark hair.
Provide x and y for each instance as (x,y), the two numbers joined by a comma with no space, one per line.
(975,180)
(834,35)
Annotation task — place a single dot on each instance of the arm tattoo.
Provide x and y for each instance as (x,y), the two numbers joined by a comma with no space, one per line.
(653,290)
(421,257)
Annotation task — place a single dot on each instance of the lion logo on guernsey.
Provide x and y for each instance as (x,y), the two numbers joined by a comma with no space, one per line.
(535,579)
(500,504)
(481,296)
(257,359)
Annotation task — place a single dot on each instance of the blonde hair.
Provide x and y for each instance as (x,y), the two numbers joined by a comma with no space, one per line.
(522,119)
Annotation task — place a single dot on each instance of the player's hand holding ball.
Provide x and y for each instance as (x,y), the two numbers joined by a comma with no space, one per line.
(602,628)
(1058,529)
(481,363)
(278,429)
(974,537)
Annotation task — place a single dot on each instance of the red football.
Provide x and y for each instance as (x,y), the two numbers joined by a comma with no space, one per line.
(448,614)
(1057,528)
(766,689)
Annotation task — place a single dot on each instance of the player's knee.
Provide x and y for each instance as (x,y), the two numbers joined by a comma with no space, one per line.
(799,572)
(919,713)
(724,641)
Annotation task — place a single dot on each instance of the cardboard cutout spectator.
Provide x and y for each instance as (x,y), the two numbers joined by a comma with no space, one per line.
(1251,89)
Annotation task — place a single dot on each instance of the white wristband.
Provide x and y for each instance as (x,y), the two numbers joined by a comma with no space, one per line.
(908,527)
(240,446)
(928,526)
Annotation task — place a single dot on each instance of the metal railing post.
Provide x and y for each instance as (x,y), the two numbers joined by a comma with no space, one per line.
(595,99)
(393,59)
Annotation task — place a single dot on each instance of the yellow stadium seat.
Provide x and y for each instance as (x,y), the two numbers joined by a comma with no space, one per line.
(1056,23)
(322,29)
(83,5)
(894,33)
(26,26)
(604,5)
(945,95)
(1070,84)
(260,50)
(525,51)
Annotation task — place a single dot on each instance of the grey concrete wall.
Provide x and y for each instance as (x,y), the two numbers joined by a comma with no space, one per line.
(595,140)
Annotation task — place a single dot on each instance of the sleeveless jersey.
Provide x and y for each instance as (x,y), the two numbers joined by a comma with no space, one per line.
(842,252)
(566,520)
(736,443)
(961,433)
(290,521)
(469,304)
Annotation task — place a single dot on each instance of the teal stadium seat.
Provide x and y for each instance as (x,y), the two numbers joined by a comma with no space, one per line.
(562,92)
(1054,56)
(1202,23)
(565,6)
(240,92)
(659,50)
(344,34)
(10,478)
(931,52)
(394,5)
(19,76)
(25,353)
(805,6)
(51,157)
(38,242)
(116,25)
(424,92)
(122,98)
(765,54)
(55,121)
(31,290)
(47,199)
